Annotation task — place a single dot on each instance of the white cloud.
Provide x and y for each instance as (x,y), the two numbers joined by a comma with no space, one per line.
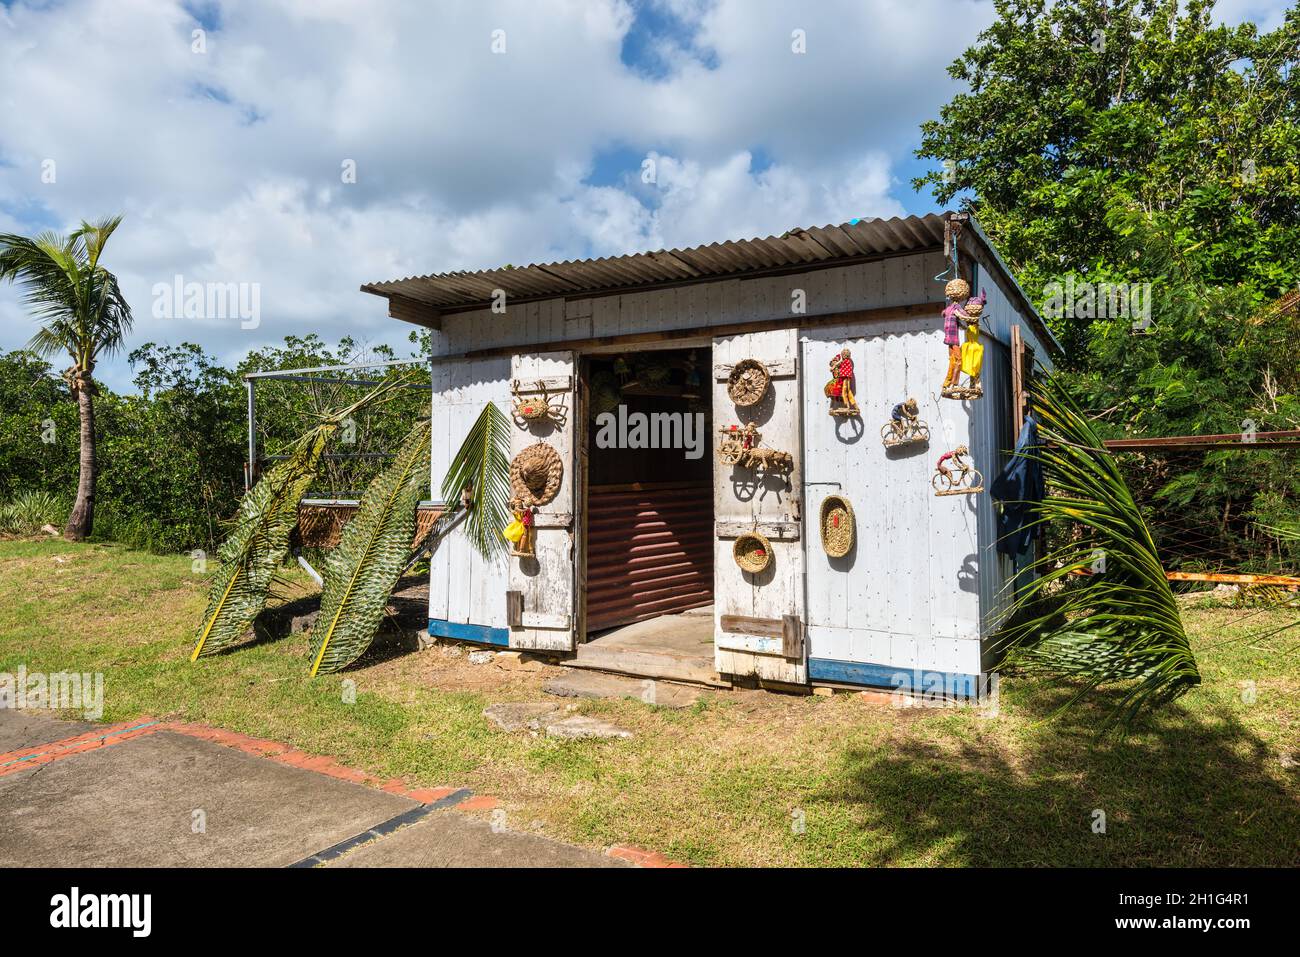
(227,163)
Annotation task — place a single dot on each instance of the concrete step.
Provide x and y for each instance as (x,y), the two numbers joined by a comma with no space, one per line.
(648,664)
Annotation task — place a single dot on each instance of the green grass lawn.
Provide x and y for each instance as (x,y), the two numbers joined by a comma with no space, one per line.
(1212,780)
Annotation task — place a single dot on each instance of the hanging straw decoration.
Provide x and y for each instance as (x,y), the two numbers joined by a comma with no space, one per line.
(752,552)
(748,382)
(837,525)
(535,475)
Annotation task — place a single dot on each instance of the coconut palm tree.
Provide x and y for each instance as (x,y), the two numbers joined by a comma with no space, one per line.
(82,312)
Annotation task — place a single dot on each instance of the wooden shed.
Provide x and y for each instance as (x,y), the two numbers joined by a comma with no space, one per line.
(634,566)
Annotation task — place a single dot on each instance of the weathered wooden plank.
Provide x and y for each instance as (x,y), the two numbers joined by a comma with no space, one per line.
(776,531)
(782,368)
(749,625)
(557,383)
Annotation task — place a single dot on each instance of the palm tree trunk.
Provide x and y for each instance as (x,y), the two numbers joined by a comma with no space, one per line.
(82,519)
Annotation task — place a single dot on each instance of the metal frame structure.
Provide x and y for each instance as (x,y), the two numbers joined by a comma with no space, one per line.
(306,375)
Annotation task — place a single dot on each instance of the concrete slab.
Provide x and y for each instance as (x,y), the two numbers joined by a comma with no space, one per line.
(133,804)
(449,839)
(683,635)
(583,726)
(523,715)
(26,729)
(595,684)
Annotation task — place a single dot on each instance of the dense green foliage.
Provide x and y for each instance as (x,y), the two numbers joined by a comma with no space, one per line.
(1128,142)
(172,454)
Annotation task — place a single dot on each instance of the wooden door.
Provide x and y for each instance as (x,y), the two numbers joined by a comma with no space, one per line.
(541,606)
(759,618)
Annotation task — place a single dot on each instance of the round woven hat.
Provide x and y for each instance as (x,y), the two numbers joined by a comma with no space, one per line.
(753,552)
(957,289)
(837,525)
(535,475)
(747,382)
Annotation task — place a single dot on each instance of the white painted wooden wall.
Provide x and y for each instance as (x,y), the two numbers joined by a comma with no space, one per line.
(742,496)
(907,596)
(463,588)
(546,581)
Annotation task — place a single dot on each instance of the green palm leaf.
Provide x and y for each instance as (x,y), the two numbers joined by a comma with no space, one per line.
(361,572)
(259,539)
(479,479)
(249,557)
(1120,625)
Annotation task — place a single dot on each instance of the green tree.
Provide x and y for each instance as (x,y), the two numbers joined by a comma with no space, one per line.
(83,313)
(1072,103)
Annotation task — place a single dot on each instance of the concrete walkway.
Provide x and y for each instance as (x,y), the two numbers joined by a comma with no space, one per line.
(157,794)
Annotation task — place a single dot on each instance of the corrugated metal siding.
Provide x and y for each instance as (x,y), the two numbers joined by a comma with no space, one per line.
(818,244)
(649,552)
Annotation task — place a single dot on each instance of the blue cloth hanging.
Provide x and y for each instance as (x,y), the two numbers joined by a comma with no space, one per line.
(1019,487)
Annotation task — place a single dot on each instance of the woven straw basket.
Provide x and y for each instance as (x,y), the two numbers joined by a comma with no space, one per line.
(837,525)
(748,382)
(753,552)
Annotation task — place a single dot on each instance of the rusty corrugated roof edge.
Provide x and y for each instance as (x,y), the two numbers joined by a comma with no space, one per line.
(812,246)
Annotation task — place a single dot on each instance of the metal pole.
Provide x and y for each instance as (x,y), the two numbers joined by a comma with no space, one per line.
(252,439)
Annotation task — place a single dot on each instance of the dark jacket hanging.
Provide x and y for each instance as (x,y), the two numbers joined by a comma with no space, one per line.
(1019,487)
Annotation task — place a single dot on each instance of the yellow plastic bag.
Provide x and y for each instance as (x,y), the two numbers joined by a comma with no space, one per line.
(514,531)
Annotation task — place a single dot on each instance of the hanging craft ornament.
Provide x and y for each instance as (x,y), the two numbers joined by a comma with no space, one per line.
(530,408)
(519,533)
(535,475)
(837,525)
(955,475)
(972,350)
(752,552)
(962,311)
(904,426)
(840,389)
(748,382)
(740,447)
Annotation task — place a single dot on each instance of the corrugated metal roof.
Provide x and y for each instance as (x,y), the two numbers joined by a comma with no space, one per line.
(798,247)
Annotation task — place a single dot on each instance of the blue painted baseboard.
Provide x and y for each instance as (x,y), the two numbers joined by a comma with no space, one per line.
(893,677)
(480,633)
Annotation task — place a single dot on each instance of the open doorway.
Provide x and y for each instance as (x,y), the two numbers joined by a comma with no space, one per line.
(649,521)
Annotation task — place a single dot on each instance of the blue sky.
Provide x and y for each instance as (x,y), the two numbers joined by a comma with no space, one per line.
(502,131)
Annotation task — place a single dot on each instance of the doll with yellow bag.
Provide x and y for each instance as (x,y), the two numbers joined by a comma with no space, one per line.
(519,533)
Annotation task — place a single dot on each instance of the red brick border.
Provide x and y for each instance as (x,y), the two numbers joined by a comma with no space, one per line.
(11,762)
(321,764)
(641,857)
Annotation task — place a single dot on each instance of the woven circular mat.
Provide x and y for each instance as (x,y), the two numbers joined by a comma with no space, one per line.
(748,382)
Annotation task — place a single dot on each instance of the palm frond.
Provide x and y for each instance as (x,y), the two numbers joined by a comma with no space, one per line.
(480,474)
(1120,624)
(249,557)
(259,540)
(372,551)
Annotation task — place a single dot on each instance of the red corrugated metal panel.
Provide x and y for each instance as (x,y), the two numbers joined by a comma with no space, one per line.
(649,552)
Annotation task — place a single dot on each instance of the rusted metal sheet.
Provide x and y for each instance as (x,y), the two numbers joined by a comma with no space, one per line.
(649,553)
(818,245)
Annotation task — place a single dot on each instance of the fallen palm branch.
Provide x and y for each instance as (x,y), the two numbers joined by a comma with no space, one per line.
(259,539)
(1119,626)
(372,552)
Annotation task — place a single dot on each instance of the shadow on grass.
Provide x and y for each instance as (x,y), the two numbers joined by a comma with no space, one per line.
(1186,789)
